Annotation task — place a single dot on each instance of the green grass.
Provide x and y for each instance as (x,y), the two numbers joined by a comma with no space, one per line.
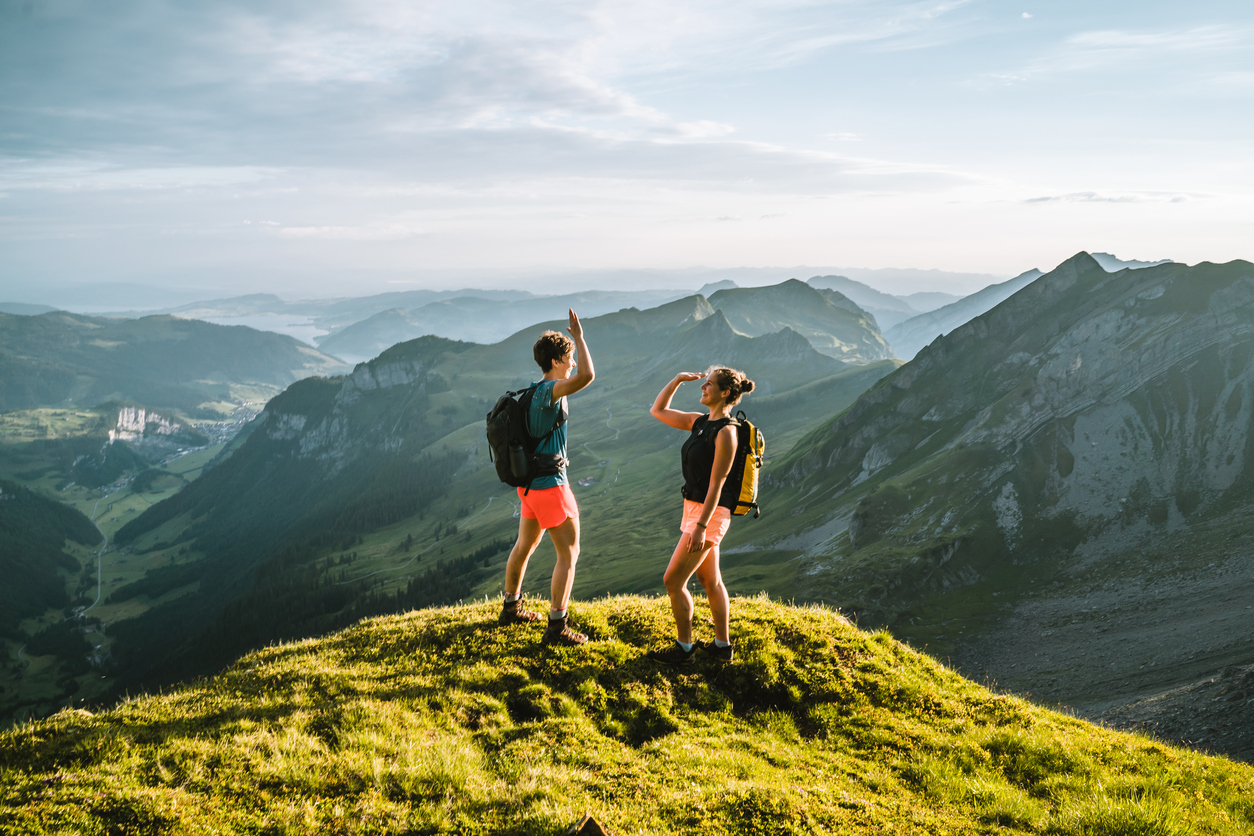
(24,425)
(435,721)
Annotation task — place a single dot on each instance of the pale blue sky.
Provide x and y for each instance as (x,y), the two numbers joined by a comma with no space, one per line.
(243,146)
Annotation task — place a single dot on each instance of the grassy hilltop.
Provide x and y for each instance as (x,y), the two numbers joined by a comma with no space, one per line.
(434,721)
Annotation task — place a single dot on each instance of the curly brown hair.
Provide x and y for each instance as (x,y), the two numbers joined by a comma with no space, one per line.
(734,382)
(550,348)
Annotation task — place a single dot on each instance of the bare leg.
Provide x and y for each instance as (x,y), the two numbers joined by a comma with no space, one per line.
(678,572)
(529,534)
(712,579)
(565,539)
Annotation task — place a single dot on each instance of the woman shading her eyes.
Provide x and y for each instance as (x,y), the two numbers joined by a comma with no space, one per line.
(709,499)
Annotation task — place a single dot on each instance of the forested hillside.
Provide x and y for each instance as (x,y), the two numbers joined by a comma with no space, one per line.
(32,533)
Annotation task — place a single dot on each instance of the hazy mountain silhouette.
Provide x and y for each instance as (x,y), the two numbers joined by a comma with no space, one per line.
(162,361)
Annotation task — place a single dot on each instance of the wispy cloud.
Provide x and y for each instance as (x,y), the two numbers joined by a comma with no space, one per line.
(1112,49)
(369,232)
(1095,197)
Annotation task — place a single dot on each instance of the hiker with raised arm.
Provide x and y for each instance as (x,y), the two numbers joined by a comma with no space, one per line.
(543,488)
(710,497)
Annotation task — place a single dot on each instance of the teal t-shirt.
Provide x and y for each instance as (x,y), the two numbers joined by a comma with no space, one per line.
(540,419)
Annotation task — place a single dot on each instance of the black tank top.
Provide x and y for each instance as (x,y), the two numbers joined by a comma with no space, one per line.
(697,456)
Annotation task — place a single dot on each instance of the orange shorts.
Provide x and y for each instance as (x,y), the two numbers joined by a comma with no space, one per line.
(549,506)
(717,526)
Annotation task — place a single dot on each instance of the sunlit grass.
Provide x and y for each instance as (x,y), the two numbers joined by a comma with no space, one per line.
(436,721)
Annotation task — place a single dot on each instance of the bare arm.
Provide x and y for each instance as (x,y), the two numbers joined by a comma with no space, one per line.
(661,408)
(584,373)
(724,452)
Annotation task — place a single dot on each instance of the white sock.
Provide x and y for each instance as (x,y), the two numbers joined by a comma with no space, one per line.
(687,646)
(511,597)
(721,643)
(554,615)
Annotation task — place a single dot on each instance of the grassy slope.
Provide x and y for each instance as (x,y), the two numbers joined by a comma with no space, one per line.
(434,721)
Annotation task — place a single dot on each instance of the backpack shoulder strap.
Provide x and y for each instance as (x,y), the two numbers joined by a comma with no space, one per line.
(524,404)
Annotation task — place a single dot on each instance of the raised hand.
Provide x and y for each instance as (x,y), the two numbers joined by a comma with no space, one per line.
(575,329)
(687,377)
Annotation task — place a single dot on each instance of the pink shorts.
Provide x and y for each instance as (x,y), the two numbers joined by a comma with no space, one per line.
(550,506)
(717,526)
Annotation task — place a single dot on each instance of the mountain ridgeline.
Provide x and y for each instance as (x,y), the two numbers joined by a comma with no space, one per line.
(64,359)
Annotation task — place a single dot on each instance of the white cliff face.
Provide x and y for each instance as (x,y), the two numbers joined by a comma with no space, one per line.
(135,422)
(284,427)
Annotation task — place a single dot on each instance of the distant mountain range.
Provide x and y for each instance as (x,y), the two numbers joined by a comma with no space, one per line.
(910,335)
(358,328)
(887,309)
(162,361)
(482,319)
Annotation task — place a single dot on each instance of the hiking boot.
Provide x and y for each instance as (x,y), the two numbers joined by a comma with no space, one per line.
(720,654)
(559,633)
(673,655)
(512,612)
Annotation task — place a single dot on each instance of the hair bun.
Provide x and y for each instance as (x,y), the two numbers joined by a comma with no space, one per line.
(747,386)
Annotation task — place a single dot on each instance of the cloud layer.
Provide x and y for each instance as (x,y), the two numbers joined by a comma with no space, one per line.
(159,136)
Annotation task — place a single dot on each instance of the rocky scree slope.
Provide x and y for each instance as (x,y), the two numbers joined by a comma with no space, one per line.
(1078,424)
(437,721)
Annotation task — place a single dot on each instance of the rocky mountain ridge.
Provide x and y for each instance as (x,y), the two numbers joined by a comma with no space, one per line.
(1084,420)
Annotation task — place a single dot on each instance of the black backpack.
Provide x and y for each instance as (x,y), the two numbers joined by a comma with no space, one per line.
(512,447)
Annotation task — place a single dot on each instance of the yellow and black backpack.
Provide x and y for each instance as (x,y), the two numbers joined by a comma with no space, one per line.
(750,448)
(740,491)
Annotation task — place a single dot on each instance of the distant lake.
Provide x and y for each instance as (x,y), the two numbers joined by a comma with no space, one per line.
(300,327)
